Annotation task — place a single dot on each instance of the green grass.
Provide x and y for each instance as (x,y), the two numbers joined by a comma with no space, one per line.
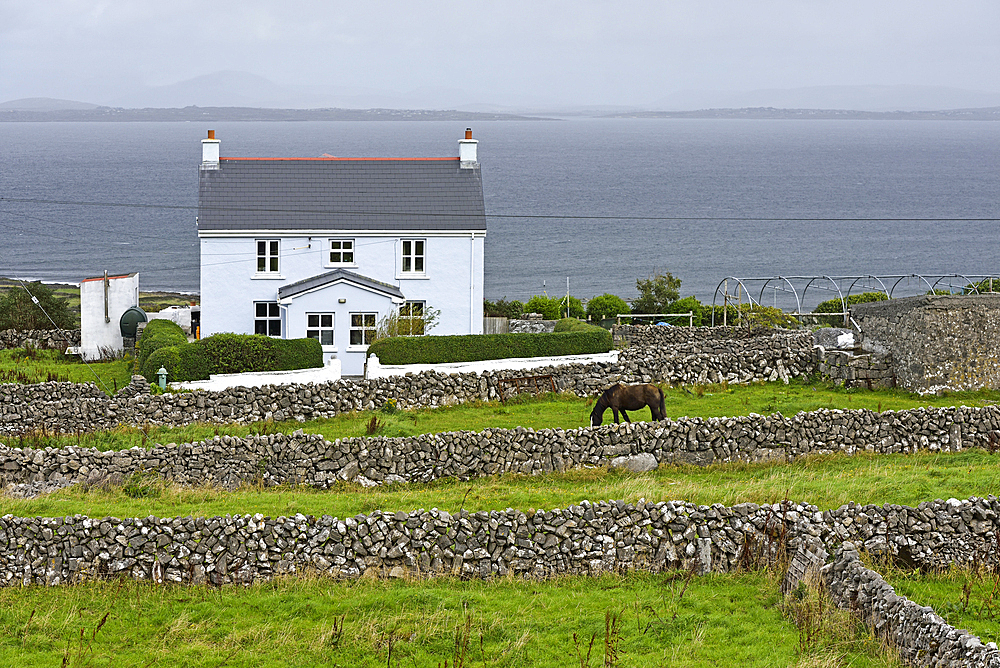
(967,598)
(827,481)
(39,366)
(150,302)
(551,411)
(641,619)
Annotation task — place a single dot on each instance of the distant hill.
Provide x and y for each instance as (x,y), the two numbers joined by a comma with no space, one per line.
(764,113)
(112,114)
(45,104)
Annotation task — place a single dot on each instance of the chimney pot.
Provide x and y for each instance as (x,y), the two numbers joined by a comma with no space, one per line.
(467,151)
(210,152)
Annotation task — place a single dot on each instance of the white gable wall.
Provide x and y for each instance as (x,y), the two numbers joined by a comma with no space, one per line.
(96,331)
(327,300)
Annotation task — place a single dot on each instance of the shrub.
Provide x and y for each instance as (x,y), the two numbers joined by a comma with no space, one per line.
(575,325)
(606,306)
(503,308)
(986,285)
(232,353)
(835,306)
(656,293)
(157,334)
(550,308)
(686,305)
(18,311)
(476,347)
(553,309)
(756,317)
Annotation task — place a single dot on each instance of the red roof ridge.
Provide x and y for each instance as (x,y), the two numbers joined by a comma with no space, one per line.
(334,159)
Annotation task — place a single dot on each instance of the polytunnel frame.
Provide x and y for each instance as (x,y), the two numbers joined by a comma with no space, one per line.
(785,285)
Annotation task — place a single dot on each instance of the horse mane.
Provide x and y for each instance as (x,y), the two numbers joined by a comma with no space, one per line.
(608,393)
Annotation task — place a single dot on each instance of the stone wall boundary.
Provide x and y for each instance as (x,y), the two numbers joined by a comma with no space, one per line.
(43,339)
(69,408)
(585,539)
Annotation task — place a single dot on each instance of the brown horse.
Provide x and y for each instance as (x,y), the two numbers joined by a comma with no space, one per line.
(629,397)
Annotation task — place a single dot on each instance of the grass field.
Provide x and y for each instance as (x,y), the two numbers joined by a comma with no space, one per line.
(614,620)
(554,411)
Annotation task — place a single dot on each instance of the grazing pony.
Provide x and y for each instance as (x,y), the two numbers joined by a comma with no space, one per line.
(620,398)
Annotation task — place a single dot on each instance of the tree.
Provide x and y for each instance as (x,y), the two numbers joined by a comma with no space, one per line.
(18,311)
(656,293)
(606,306)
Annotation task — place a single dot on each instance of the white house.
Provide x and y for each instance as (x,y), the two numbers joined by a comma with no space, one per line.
(327,247)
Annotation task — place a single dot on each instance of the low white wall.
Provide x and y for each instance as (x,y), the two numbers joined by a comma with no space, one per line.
(222,381)
(375,369)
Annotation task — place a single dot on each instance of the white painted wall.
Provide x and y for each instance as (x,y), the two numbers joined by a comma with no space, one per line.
(327,300)
(452,283)
(378,370)
(328,373)
(96,332)
(180,315)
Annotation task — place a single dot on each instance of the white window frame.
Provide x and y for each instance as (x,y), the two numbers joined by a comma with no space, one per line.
(367,327)
(321,327)
(271,315)
(330,262)
(268,255)
(408,256)
(406,314)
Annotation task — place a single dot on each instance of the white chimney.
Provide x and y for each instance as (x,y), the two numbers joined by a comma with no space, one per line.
(467,150)
(210,151)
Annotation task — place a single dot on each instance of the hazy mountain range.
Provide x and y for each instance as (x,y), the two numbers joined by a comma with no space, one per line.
(242,89)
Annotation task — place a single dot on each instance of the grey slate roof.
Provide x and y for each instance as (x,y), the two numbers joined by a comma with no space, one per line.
(334,276)
(341,194)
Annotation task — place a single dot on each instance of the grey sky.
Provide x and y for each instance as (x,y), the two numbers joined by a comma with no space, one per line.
(502,52)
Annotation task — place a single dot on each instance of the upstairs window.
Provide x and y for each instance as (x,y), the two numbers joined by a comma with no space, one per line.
(267,319)
(267,256)
(319,326)
(413,256)
(341,251)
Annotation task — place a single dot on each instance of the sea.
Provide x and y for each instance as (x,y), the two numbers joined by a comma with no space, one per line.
(586,206)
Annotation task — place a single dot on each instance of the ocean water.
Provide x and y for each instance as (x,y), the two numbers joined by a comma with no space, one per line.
(600,202)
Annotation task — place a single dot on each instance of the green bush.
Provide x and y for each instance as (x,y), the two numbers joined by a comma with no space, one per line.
(550,308)
(986,285)
(18,311)
(232,353)
(157,334)
(606,306)
(476,347)
(686,305)
(835,306)
(575,325)
(503,308)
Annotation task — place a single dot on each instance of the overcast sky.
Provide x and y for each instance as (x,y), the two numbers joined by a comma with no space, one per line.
(502,52)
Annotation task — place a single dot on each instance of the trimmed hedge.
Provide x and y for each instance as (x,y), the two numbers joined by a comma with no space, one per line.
(232,353)
(476,347)
(157,334)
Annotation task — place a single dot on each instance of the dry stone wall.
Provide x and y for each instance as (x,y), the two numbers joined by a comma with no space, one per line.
(936,341)
(40,338)
(310,459)
(583,539)
(919,634)
(67,408)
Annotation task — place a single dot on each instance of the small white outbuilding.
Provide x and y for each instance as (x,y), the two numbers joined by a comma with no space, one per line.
(103,301)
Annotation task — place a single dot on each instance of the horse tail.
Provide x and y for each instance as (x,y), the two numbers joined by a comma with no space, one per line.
(663,405)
